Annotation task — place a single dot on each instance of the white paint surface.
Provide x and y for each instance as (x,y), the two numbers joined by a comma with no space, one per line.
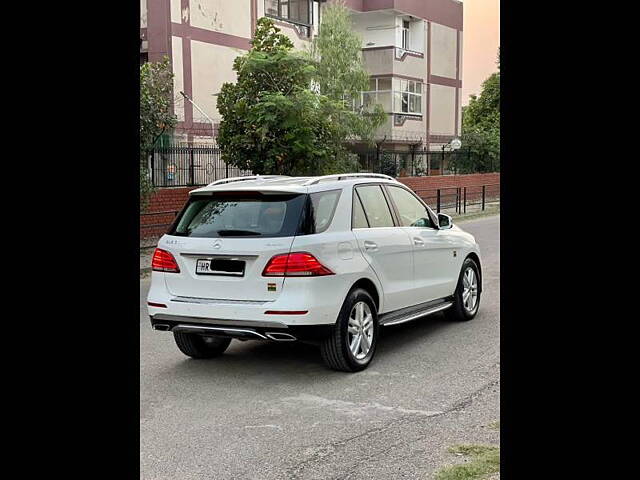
(178,78)
(211,66)
(442,117)
(229,16)
(443,50)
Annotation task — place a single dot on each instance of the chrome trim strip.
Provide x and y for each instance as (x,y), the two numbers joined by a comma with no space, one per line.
(200,328)
(159,317)
(423,313)
(219,256)
(219,301)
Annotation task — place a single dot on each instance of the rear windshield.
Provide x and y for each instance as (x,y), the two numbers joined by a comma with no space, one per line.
(240,215)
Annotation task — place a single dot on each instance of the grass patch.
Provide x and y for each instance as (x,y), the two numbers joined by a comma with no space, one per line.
(475,215)
(483,461)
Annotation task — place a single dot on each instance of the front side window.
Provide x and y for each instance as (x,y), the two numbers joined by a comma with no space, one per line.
(375,206)
(359,218)
(297,11)
(411,211)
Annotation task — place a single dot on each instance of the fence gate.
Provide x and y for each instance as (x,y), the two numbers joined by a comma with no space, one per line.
(182,166)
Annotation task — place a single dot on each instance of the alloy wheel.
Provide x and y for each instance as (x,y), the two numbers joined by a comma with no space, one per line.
(360,330)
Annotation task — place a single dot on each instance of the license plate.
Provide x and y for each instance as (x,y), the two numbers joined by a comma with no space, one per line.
(206,266)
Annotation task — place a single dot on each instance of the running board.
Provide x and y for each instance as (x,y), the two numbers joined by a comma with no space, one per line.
(411,313)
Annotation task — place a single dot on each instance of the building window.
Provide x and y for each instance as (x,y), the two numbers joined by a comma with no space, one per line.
(411,96)
(405,35)
(380,92)
(395,95)
(294,11)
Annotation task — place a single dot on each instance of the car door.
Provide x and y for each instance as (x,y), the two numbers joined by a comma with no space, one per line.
(433,249)
(386,247)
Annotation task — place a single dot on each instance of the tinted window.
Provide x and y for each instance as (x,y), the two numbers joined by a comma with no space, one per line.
(240,215)
(359,219)
(322,208)
(375,206)
(412,212)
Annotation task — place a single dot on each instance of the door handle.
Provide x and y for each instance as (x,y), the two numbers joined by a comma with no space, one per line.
(368,245)
(418,242)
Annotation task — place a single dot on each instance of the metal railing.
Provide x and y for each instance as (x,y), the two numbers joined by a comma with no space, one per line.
(426,163)
(461,200)
(189,165)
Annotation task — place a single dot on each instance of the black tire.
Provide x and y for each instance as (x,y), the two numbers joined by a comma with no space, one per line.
(457,312)
(197,346)
(335,349)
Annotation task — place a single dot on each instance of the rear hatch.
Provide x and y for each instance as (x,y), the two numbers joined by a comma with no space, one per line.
(223,241)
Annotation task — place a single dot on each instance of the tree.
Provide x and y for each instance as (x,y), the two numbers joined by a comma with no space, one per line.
(156,119)
(481,128)
(341,75)
(274,122)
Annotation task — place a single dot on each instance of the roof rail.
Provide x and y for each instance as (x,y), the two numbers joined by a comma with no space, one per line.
(341,176)
(242,179)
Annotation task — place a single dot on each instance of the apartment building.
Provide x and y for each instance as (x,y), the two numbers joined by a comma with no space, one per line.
(412,49)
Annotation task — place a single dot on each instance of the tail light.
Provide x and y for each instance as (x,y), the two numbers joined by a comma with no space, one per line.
(164,261)
(298,264)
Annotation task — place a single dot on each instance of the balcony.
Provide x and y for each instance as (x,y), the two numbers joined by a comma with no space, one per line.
(394,61)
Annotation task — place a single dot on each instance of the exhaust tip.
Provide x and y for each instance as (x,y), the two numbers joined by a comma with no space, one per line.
(280,337)
(163,327)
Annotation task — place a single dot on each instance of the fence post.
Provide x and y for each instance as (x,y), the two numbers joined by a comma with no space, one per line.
(153,174)
(438,201)
(191,176)
(465,199)
(226,165)
(483,196)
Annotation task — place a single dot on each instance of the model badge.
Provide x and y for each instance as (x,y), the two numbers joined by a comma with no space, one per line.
(271,287)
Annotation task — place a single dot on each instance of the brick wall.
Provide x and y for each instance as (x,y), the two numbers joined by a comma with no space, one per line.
(172,200)
(161,211)
(443,181)
(427,187)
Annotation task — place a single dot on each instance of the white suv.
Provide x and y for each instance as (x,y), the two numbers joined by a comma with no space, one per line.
(328,259)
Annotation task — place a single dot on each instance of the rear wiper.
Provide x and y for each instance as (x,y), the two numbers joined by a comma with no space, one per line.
(229,233)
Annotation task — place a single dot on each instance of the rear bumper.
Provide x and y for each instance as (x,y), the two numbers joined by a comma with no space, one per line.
(321,298)
(240,329)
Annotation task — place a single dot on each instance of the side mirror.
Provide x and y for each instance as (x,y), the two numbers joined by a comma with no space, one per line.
(444,221)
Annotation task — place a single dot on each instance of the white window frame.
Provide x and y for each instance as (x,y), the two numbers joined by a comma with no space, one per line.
(398,95)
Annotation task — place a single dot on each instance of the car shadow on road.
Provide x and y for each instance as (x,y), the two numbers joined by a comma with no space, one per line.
(301,362)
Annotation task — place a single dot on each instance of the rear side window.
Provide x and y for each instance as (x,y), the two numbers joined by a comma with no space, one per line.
(322,206)
(242,214)
(375,206)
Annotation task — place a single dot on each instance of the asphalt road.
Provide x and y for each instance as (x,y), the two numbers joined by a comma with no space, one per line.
(274,411)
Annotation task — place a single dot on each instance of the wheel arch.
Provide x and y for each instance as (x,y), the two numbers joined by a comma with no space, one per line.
(368,285)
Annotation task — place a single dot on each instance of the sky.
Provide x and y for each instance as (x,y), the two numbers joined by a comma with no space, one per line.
(481,39)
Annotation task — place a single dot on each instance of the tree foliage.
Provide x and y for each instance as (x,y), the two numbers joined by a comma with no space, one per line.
(481,128)
(156,88)
(340,72)
(274,122)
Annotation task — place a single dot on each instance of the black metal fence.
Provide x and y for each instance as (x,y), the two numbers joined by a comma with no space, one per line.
(196,165)
(189,165)
(461,200)
(427,163)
